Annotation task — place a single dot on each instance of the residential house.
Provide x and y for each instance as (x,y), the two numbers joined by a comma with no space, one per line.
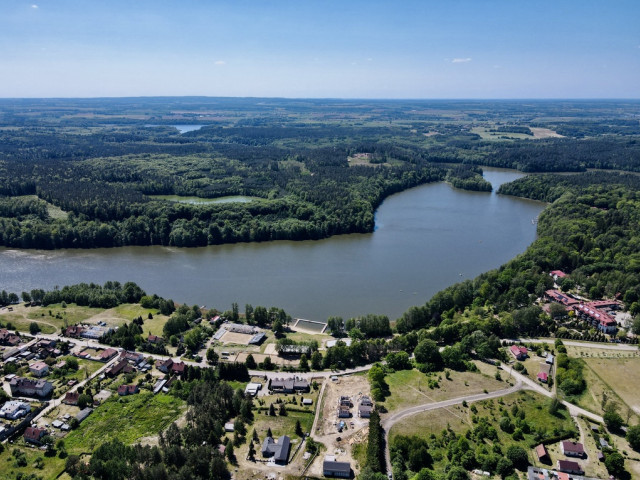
(572,449)
(34,435)
(155,339)
(164,365)
(332,468)
(229,427)
(549,359)
(603,443)
(39,369)
(520,353)
(365,408)
(30,388)
(128,390)
(135,358)
(543,377)
(569,466)
(289,385)
(556,274)
(107,354)
(8,338)
(71,398)
(279,450)
(307,401)
(178,368)
(121,367)
(74,331)
(14,409)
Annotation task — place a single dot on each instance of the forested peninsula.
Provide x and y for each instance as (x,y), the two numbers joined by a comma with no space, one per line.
(115,172)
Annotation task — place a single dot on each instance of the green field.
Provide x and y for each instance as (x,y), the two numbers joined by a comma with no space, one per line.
(125,418)
(410,387)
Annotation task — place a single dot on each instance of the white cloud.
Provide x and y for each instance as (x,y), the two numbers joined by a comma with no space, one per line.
(34,6)
(461,60)
(219,62)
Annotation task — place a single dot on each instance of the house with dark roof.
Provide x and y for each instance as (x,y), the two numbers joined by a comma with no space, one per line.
(278,450)
(572,449)
(83,414)
(71,398)
(569,466)
(289,385)
(164,365)
(34,435)
(121,367)
(124,390)
(8,338)
(332,468)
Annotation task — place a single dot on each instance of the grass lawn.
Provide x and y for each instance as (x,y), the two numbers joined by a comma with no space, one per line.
(21,324)
(620,377)
(125,418)
(8,469)
(410,387)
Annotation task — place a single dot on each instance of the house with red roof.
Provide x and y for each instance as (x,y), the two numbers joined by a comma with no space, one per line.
(34,435)
(178,368)
(543,377)
(520,353)
(543,454)
(556,274)
(107,354)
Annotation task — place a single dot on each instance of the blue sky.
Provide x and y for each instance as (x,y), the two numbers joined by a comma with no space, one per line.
(314,48)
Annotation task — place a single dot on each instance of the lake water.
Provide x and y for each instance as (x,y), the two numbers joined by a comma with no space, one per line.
(187,128)
(426,238)
(204,201)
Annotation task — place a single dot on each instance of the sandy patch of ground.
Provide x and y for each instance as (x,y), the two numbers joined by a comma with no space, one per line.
(544,133)
(238,338)
(355,432)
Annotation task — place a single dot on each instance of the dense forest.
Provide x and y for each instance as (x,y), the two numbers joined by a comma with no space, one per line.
(110,172)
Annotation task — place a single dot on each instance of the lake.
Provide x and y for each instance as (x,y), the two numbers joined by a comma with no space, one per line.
(426,238)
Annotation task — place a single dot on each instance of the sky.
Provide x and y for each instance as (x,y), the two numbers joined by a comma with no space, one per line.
(321,48)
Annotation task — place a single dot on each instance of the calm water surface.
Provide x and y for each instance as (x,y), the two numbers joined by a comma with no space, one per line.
(426,238)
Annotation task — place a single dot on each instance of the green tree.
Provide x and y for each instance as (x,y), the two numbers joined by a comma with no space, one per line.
(428,354)
(34,328)
(250,362)
(304,363)
(316,360)
(278,327)
(518,457)
(72,363)
(212,356)
(457,473)
(633,437)
(615,464)
(612,418)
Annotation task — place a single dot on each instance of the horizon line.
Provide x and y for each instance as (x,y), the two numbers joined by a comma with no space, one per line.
(335,98)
